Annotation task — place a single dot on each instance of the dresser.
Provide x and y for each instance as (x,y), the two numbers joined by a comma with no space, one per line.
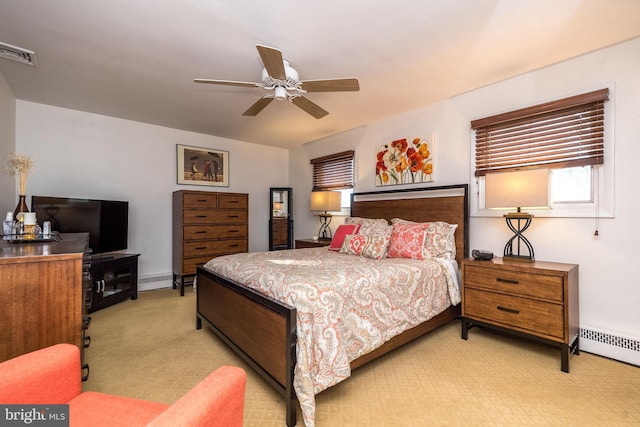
(43,295)
(206,225)
(537,300)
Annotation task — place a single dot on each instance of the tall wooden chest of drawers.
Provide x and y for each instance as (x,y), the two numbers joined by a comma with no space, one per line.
(206,225)
(537,300)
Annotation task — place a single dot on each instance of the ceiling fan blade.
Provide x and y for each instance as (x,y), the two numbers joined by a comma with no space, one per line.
(310,107)
(332,85)
(272,60)
(227,83)
(258,106)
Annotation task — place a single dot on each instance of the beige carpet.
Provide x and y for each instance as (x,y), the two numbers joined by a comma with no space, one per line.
(150,349)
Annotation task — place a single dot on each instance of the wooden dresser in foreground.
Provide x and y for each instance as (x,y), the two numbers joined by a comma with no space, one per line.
(42,294)
(537,300)
(206,225)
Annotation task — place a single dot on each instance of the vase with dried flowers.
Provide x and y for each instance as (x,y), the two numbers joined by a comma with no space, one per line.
(21,165)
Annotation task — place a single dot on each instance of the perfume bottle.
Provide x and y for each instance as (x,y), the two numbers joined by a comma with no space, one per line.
(7,226)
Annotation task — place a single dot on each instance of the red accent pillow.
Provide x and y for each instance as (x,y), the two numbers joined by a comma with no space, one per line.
(338,236)
(407,240)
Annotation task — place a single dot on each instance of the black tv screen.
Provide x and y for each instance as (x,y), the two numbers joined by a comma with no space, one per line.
(106,221)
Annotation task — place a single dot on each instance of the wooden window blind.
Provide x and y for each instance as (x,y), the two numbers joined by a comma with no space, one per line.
(565,133)
(333,172)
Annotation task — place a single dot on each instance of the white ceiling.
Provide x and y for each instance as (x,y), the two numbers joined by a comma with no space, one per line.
(136,59)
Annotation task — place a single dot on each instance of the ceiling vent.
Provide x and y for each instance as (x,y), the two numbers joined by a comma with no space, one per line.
(18,54)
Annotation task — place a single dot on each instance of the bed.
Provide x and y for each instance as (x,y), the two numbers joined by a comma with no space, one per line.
(265,332)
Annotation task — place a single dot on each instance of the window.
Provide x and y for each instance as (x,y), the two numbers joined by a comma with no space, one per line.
(566,136)
(335,172)
(572,185)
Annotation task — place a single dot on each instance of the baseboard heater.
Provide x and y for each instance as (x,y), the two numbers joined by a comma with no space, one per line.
(609,345)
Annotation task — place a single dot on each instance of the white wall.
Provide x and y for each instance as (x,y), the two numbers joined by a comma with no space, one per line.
(9,200)
(80,154)
(609,274)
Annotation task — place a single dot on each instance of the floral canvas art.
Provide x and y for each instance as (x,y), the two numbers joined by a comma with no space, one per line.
(404,162)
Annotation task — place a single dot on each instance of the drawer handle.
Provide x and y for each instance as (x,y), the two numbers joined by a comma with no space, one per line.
(233,231)
(234,201)
(508,310)
(201,216)
(202,200)
(233,216)
(200,232)
(233,246)
(201,247)
(513,282)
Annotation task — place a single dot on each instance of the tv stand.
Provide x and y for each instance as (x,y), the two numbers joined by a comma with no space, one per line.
(101,257)
(114,278)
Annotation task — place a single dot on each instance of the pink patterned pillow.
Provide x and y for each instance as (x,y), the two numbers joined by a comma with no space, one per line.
(374,247)
(370,226)
(407,241)
(339,235)
(439,238)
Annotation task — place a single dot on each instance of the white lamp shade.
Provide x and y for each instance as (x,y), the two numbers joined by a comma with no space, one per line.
(521,189)
(325,201)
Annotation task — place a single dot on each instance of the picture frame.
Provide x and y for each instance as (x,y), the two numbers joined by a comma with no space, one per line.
(202,166)
(406,161)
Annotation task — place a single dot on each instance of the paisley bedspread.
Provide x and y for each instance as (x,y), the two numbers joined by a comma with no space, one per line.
(347,305)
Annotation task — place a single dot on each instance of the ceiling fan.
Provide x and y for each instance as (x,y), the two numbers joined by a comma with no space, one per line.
(281,82)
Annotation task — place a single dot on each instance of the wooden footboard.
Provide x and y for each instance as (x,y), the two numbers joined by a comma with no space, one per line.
(261,330)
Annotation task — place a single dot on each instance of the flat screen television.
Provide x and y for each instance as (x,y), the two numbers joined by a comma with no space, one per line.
(106,221)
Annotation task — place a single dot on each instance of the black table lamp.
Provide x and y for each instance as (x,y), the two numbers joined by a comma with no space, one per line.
(325,201)
(528,189)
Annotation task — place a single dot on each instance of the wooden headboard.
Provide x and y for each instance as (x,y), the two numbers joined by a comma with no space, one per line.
(446,203)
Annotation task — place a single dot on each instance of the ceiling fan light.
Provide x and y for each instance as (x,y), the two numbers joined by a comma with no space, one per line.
(280,93)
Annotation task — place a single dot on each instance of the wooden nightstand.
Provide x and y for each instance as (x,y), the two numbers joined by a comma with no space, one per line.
(310,243)
(537,300)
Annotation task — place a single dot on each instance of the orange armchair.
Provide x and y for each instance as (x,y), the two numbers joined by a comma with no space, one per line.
(52,376)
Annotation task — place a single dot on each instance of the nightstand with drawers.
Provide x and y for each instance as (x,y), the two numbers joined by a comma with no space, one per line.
(537,300)
(312,243)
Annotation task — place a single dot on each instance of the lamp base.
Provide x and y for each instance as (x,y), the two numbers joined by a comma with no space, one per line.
(518,222)
(325,230)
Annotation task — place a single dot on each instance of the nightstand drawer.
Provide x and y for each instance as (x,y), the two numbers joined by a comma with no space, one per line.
(529,315)
(515,282)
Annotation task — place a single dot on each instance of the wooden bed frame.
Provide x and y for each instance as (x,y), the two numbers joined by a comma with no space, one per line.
(263,331)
